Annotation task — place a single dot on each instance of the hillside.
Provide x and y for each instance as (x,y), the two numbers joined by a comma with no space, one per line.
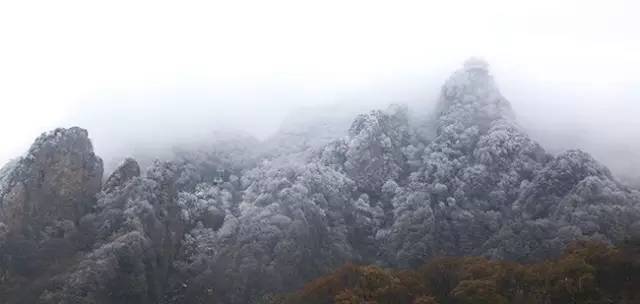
(466,181)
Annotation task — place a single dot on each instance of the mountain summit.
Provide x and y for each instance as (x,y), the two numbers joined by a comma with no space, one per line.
(231,227)
(471,97)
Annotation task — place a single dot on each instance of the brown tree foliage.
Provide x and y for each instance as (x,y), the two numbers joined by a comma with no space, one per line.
(588,272)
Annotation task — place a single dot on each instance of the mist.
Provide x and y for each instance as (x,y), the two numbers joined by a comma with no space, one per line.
(145,77)
(263,151)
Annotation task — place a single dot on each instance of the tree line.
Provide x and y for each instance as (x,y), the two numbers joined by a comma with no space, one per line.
(588,272)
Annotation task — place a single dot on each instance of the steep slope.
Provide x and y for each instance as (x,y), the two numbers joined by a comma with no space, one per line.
(130,241)
(484,187)
(372,153)
(43,196)
(67,241)
(55,182)
(382,194)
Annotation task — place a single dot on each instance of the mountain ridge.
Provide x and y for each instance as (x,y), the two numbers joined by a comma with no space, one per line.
(382,194)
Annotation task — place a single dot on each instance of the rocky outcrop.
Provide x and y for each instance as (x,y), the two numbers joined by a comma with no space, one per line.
(132,239)
(55,182)
(66,241)
(470,97)
(43,196)
(128,170)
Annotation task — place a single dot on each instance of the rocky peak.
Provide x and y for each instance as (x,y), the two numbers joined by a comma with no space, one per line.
(476,65)
(126,171)
(471,97)
(379,195)
(56,181)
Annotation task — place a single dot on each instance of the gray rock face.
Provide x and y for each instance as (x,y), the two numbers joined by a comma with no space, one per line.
(56,181)
(117,244)
(132,239)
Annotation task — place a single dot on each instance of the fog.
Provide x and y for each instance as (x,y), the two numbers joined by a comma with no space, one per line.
(144,76)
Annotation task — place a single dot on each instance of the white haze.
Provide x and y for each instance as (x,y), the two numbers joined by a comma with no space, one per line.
(147,74)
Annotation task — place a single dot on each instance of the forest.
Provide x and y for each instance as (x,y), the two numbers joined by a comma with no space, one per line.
(236,221)
(588,272)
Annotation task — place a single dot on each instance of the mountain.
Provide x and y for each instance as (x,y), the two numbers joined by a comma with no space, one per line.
(383,193)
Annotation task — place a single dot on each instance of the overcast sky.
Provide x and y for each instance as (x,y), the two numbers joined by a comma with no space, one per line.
(68,62)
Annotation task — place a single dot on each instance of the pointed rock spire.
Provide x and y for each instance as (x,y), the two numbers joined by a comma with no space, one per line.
(471,97)
(56,181)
